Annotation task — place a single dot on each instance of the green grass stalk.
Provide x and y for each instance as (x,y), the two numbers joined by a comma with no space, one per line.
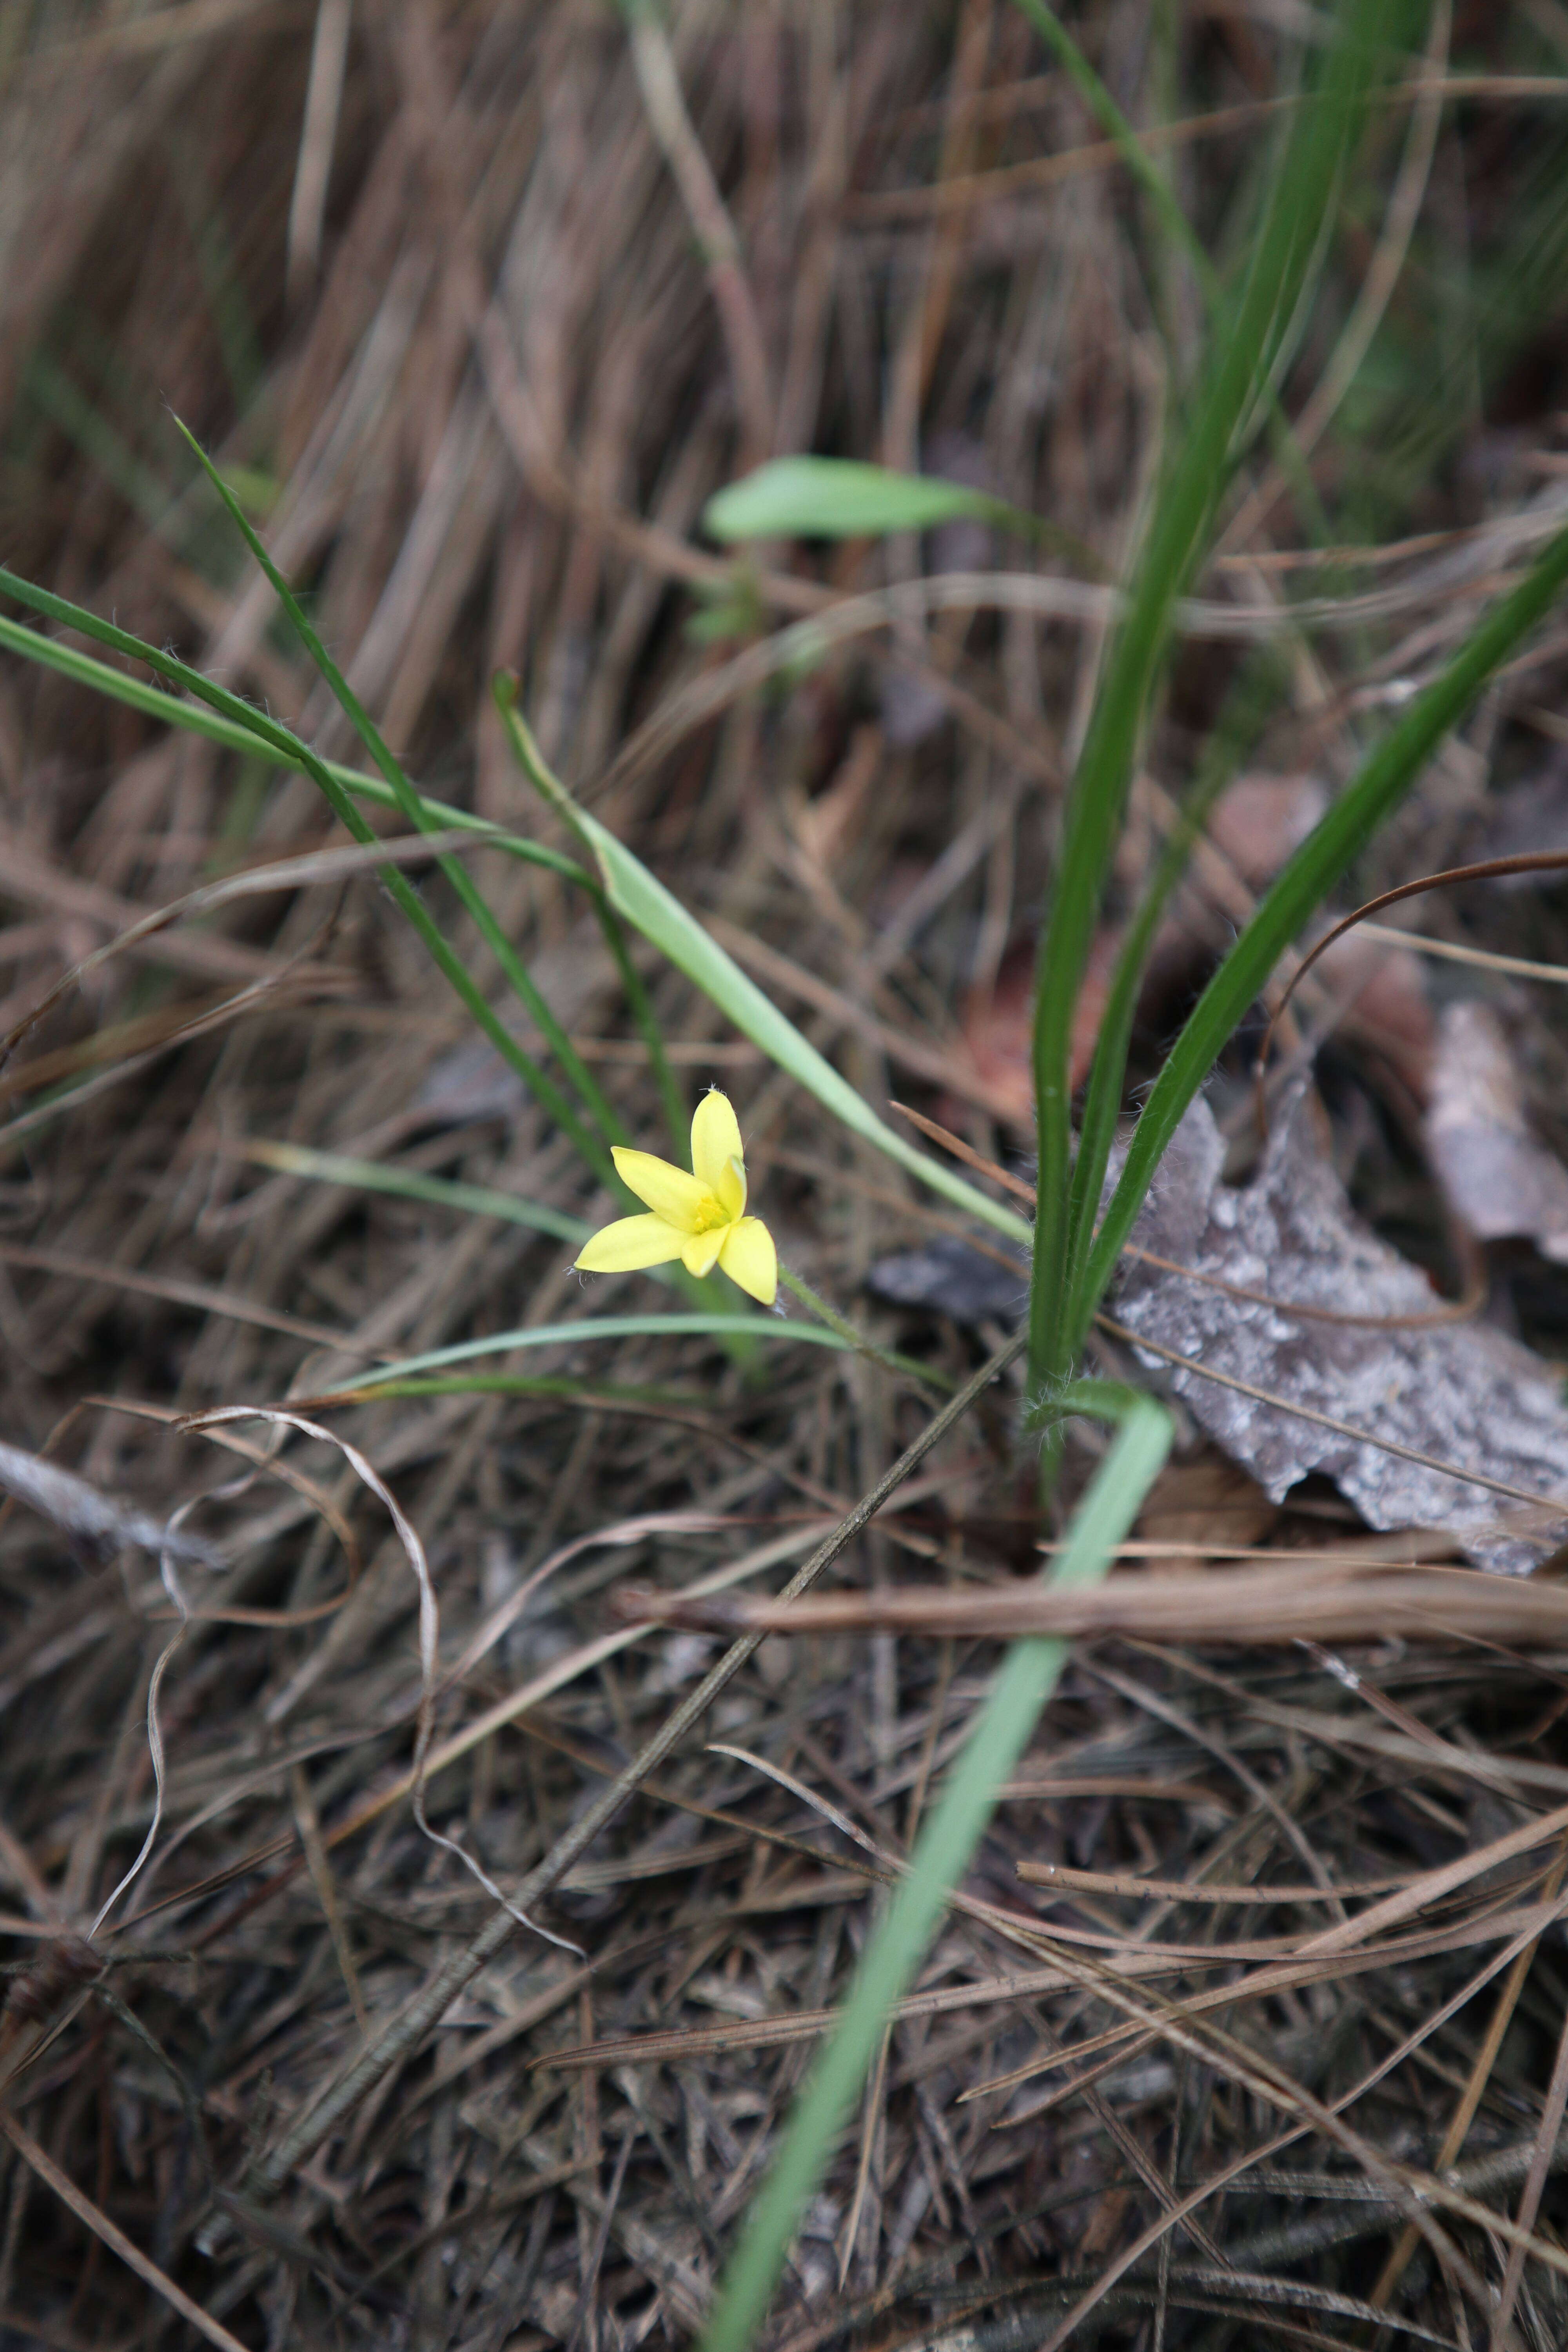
(261,731)
(946,1846)
(530,759)
(1326,855)
(462,883)
(889,1358)
(1238,729)
(1181,521)
(254,736)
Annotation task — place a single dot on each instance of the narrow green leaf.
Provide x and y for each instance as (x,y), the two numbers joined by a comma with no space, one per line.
(1312,873)
(599,1328)
(252,734)
(462,883)
(1174,221)
(225,718)
(1121,135)
(526,752)
(653,910)
(413,1185)
(61,399)
(1178,530)
(266,730)
(594,1396)
(946,1846)
(1238,729)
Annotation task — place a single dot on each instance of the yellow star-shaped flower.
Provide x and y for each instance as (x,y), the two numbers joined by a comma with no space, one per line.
(699,1218)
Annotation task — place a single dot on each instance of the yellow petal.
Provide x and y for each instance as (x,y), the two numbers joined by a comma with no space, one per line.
(731,1189)
(700,1254)
(669,1191)
(715,1140)
(749,1258)
(631,1242)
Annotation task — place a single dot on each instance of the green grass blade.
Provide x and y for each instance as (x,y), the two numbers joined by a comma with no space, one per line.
(595,1396)
(1144,169)
(461,882)
(826,1312)
(527,754)
(1178,529)
(676,1117)
(946,1846)
(1239,729)
(1312,873)
(644,902)
(1121,135)
(275,745)
(600,1328)
(480,1201)
(68,407)
(413,1185)
(263,730)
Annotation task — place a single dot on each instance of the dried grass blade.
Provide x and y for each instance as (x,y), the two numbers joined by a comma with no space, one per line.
(1486,869)
(300,873)
(275,1417)
(1246,1608)
(98,2222)
(90,1518)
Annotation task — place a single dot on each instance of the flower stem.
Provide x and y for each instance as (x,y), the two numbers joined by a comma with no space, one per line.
(889,1358)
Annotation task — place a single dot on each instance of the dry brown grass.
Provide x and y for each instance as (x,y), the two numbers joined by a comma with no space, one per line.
(533,316)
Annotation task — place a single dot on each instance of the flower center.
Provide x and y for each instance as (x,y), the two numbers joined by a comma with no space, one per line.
(709,1214)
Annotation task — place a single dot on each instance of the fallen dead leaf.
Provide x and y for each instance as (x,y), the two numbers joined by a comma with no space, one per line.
(1462,1393)
(1261,821)
(1384,991)
(1499,1176)
(999,1028)
(949,1277)
(1210,1500)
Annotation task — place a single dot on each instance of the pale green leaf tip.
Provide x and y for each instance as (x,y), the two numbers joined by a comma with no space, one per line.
(835,497)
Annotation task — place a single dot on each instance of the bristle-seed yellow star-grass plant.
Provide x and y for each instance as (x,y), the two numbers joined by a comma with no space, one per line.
(1078,1235)
(699,1218)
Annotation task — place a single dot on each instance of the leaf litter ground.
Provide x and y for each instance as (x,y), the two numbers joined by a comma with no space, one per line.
(451,333)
